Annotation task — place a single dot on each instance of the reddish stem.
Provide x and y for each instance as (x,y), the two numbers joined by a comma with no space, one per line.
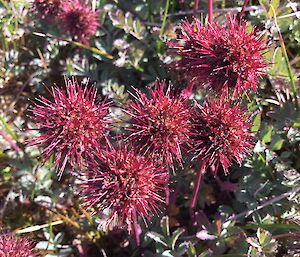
(167,192)
(241,14)
(210,11)
(11,142)
(136,229)
(196,187)
(196,3)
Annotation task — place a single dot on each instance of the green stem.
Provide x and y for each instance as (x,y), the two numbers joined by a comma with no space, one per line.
(165,18)
(8,129)
(286,58)
(92,49)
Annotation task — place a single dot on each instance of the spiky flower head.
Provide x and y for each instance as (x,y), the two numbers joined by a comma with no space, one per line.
(78,19)
(71,125)
(160,125)
(46,9)
(221,58)
(221,134)
(124,182)
(13,246)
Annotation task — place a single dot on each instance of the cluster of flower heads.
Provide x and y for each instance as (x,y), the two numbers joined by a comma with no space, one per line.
(221,58)
(129,178)
(75,17)
(126,175)
(13,246)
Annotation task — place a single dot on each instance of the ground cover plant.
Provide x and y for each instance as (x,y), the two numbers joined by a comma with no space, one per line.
(149,128)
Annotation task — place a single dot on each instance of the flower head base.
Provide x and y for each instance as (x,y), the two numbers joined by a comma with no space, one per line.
(159,126)
(46,9)
(12,246)
(79,20)
(221,58)
(221,134)
(71,125)
(126,183)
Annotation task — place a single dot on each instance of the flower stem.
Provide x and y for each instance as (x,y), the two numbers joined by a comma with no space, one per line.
(167,192)
(8,129)
(195,9)
(135,228)
(11,142)
(196,187)
(210,11)
(286,58)
(241,14)
(162,28)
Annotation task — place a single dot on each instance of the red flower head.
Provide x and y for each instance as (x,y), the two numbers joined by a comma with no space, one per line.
(220,57)
(221,134)
(71,125)
(46,9)
(159,126)
(78,19)
(12,246)
(124,182)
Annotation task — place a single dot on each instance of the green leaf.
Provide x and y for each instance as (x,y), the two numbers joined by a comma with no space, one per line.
(266,134)
(256,123)
(182,249)
(264,4)
(206,254)
(174,238)
(263,236)
(279,67)
(157,237)
(164,224)
(273,3)
(137,26)
(276,143)
(117,18)
(272,226)
(128,22)
(191,250)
